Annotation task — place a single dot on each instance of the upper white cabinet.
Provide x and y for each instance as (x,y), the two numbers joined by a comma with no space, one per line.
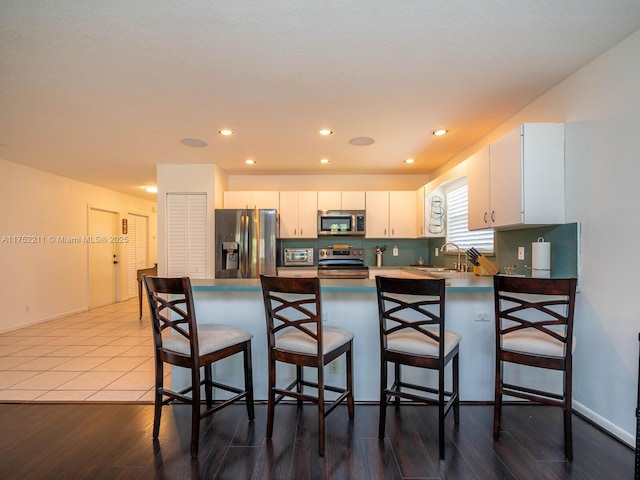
(298,214)
(519,179)
(333,200)
(252,199)
(478,181)
(391,214)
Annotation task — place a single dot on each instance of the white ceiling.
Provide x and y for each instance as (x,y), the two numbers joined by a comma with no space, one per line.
(102,91)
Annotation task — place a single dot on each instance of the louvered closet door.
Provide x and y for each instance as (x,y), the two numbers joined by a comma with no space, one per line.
(187,235)
(137,250)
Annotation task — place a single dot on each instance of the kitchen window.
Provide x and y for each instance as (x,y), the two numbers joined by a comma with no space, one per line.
(457,200)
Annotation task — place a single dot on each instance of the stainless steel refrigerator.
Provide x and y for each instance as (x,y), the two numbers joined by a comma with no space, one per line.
(245,242)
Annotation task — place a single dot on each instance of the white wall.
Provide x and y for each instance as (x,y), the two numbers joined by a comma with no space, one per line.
(44,280)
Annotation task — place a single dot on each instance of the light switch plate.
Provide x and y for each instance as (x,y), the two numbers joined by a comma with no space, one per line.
(520,253)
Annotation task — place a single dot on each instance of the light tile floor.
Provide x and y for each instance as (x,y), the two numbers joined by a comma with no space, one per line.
(104,355)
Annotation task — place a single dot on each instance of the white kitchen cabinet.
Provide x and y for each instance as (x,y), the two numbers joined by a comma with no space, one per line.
(334,200)
(252,199)
(353,200)
(478,182)
(298,214)
(330,200)
(525,172)
(391,214)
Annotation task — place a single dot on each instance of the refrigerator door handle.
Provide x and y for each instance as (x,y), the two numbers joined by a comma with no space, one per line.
(244,241)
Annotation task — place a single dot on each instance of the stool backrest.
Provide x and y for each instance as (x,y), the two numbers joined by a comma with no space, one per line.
(411,304)
(292,303)
(544,304)
(171,306)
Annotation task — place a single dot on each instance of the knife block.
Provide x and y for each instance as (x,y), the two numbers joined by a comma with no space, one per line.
(481,271)
(486,268)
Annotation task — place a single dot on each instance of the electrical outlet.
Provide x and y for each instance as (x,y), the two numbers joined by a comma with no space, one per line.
(395,251)
(436,252)
(520,253)
(334,367)
(482,317)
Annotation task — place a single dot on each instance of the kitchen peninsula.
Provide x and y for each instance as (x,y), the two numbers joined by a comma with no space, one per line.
(352,304)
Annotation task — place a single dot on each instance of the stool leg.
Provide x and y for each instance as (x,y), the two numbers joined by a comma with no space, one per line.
(248,380)
(271,397)
(321,418)
(441,410)
(157,403)
(398,380)
(456,389)
(195,411)
(350,404)
(383,397)
(497,406)
(568,436)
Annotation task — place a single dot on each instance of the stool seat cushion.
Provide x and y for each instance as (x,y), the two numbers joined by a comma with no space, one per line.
(412,342)
(293,340)
(535,342)
(211,338)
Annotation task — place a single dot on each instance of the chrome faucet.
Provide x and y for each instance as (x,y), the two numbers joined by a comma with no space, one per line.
(460,267)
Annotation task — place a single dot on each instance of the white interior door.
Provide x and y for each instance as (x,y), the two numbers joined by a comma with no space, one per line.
(103,258)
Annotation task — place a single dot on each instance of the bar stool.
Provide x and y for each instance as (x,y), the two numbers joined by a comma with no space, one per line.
(534,327)
(412,333)
(179,340)
(296,335)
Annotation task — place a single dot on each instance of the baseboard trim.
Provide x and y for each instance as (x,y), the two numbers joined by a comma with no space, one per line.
(604,424)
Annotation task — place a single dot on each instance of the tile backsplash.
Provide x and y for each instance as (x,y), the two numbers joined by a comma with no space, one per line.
(564,241)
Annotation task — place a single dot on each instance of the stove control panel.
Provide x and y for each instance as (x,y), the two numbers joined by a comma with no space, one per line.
(341,254)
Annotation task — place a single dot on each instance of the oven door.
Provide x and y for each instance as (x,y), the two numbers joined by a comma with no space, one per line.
(343,271)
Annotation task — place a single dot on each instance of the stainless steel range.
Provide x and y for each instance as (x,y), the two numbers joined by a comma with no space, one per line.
(342,261)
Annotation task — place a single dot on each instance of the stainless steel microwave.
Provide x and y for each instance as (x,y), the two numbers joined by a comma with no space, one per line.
(340,222)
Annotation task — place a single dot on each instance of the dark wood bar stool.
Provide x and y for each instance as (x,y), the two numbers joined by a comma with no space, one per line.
(534,327)
(179,340)
(296,335)
(412,333)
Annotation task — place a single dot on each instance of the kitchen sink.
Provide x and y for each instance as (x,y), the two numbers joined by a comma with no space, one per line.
(442,272)
(435,269)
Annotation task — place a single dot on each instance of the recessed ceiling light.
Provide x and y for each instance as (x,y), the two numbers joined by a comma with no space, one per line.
(325,132)
(151,188)
(409,160)
(440,132)
(193,142)
(324,161)
(250,162)
(361,141)
(225,132)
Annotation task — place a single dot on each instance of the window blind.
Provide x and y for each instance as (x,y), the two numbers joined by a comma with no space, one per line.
(457,200)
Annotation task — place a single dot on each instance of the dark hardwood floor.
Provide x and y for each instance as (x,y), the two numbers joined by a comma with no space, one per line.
(113,441)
